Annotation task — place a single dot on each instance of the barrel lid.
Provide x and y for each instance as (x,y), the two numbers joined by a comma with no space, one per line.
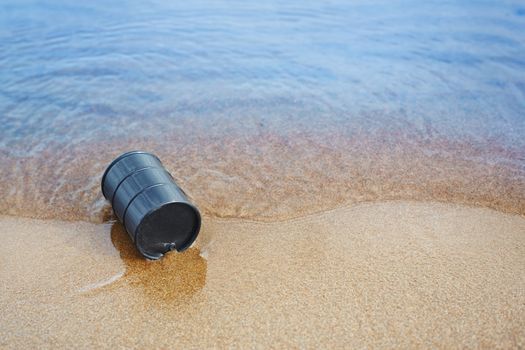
(173,225)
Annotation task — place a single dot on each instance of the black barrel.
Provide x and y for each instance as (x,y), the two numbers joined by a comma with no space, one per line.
(154,210)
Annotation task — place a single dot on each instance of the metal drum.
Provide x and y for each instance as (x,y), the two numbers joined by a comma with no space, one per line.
(155,212)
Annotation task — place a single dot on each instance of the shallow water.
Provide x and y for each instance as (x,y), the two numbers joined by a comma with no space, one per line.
(264,110)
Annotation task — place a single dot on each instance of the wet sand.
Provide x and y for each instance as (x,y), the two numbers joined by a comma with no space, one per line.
(392,274)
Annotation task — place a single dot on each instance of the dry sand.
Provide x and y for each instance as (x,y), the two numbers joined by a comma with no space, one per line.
(392,274)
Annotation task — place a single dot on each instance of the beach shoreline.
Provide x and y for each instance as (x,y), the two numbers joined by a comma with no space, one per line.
(269,177)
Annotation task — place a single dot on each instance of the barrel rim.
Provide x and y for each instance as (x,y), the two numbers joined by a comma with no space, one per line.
(118,159)
(187,243)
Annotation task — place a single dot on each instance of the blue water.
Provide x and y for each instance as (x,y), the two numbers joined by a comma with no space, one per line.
(139,73)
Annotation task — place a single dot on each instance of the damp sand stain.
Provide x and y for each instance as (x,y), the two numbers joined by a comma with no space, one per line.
(174,279)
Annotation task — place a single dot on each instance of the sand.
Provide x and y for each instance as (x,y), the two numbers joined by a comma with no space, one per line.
(391,274)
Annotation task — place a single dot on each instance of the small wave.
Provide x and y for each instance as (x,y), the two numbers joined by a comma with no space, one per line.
(103,283)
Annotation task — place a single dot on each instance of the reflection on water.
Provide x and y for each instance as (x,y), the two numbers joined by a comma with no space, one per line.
(171,280)
(264,110)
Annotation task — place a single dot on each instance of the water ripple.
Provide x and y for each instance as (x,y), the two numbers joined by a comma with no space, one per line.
(206,83)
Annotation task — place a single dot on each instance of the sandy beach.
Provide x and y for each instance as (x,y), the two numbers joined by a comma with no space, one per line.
(392,274)
(359,167)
